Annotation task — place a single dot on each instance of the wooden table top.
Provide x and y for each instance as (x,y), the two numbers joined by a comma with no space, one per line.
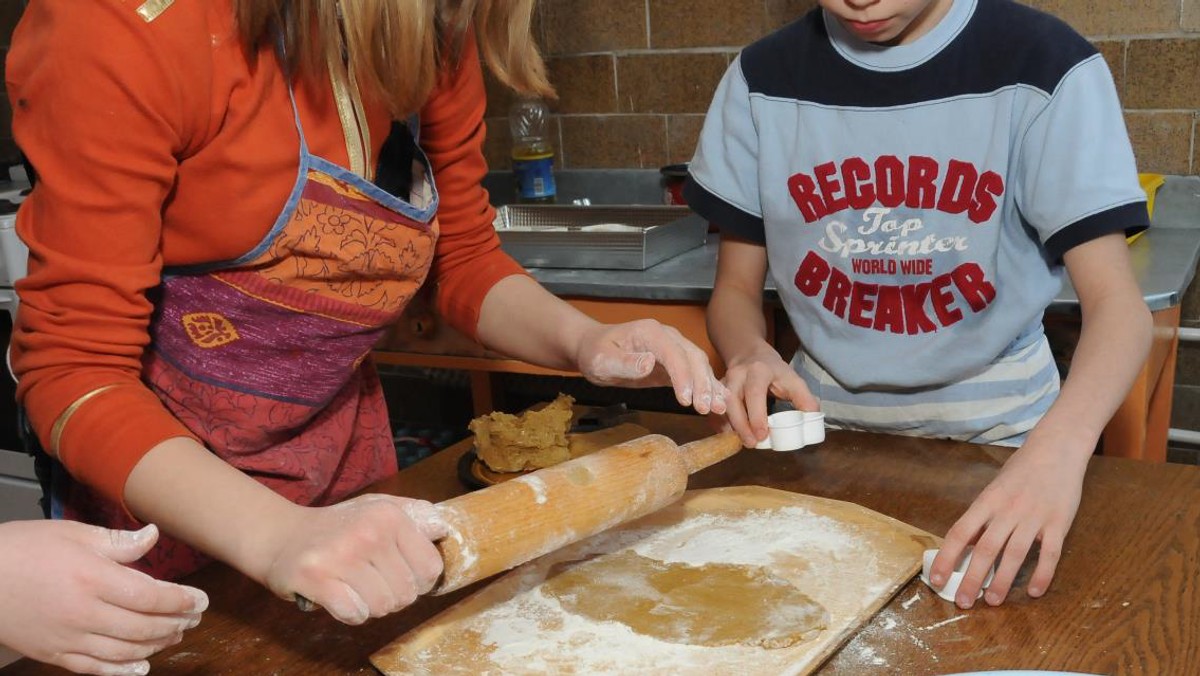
(1126,598)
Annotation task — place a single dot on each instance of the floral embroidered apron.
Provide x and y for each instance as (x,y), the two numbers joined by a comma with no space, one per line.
(266,358)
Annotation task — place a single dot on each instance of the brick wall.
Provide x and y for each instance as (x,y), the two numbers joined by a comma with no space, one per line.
(635,78)
(10,11)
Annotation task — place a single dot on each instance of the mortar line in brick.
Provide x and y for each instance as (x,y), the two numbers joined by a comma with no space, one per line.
(649,36)
(1145,36)
(1192,146)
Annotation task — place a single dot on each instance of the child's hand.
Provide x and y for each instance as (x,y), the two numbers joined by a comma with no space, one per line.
(1034,498)
(69,599)
(359,559)
(749,381)
(645,353)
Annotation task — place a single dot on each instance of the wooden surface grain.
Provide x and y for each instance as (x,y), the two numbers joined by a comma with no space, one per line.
(1126,599)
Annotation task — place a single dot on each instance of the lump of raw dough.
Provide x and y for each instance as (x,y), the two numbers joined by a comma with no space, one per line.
(532,440)
(714,604)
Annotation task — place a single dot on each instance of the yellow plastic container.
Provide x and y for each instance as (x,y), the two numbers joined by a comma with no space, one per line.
(1150,183)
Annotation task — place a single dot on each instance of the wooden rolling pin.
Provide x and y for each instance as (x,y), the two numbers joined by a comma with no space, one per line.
(504,525)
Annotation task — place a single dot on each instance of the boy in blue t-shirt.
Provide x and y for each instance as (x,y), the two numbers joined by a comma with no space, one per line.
(916,174)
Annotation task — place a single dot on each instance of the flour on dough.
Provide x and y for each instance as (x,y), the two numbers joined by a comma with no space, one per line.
(714,604)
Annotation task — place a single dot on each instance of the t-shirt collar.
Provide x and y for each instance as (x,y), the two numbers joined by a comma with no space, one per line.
(900,57)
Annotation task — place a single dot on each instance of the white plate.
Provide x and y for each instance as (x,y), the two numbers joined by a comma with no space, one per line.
(1021,672)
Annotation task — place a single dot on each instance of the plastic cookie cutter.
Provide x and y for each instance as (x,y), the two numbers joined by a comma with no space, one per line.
(793,430)
(950,589)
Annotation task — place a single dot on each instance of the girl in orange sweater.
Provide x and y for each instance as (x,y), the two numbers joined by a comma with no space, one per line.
(211,263)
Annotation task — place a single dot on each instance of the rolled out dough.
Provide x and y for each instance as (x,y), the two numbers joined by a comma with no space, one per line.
(714,604)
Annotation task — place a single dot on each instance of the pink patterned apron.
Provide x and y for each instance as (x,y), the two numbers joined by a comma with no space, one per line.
(266,358)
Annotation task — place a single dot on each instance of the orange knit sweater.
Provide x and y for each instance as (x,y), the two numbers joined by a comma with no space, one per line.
(157,143)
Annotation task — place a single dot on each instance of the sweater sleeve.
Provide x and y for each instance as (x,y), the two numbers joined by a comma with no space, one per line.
(100,108)
(469,260)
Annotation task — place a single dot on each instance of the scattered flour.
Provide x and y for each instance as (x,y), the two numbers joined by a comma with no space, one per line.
(888,641)
(866,655)
(712,538)
(935,625)
(896,640)
(426,517)
(538,486)
(530,633)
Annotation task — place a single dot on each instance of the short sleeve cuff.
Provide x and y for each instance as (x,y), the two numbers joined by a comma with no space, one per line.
(1130,218)
(728,218)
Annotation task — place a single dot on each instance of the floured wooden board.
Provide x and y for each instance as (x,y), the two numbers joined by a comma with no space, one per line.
(785,580)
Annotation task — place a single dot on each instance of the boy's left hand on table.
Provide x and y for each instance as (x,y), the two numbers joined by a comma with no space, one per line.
(1033,498)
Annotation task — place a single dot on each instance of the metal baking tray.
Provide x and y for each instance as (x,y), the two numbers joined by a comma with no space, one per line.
(597,237)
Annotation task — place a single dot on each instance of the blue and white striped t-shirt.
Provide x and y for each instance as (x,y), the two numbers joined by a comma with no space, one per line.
(915,202)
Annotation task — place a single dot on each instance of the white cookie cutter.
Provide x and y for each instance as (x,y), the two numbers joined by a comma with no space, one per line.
(950,589)
(793,430)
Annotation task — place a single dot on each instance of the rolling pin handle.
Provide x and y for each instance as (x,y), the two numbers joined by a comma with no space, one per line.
(710,450)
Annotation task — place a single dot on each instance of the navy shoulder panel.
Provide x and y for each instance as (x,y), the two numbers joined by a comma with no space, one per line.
(1003,45)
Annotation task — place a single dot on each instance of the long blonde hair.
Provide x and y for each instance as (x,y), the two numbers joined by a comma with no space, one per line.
(397,47)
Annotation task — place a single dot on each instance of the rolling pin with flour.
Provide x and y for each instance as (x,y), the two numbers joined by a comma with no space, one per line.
(502,526)
(507,524)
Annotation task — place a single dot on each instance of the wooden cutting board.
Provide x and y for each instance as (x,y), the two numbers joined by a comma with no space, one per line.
(846,558)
